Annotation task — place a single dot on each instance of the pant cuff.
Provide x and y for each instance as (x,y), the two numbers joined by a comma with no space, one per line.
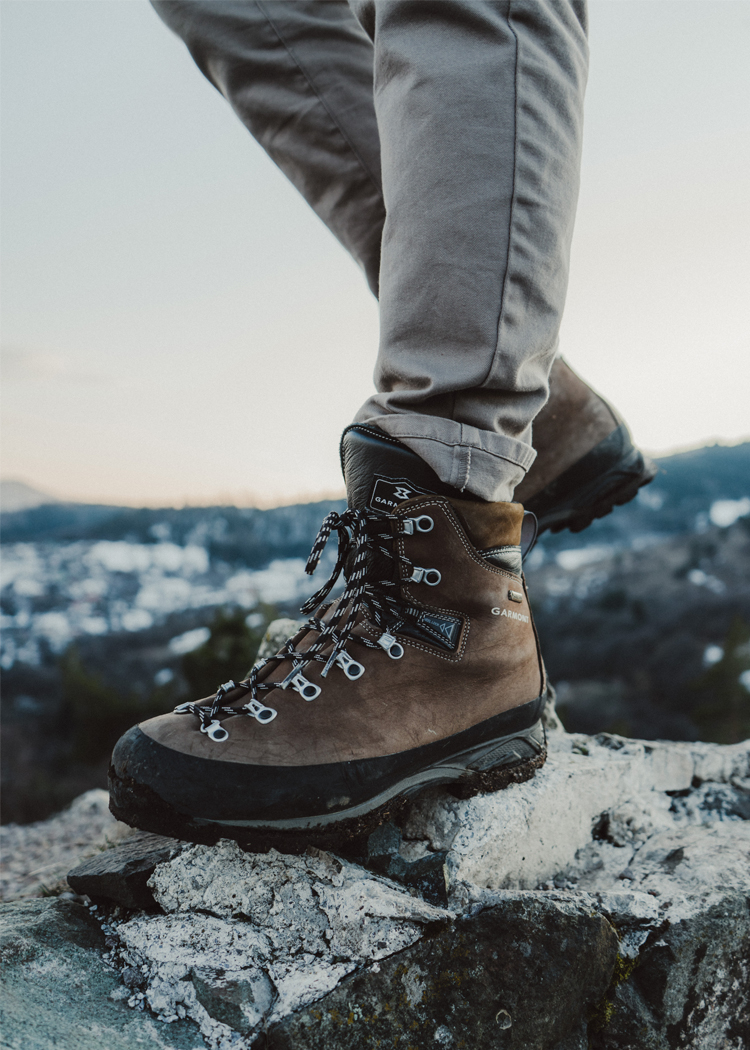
(477,462)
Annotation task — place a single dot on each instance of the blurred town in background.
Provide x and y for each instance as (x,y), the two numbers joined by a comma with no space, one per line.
(111,615)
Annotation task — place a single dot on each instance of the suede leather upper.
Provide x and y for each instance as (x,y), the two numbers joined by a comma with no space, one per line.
(572,423)
(429,694)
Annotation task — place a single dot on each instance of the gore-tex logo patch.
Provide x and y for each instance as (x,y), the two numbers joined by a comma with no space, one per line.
(444,626)
(387,493)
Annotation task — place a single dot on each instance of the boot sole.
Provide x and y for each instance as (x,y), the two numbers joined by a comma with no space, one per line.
(607,477)
(489,767)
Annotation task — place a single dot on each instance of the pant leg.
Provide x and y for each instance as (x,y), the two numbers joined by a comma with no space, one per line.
(299,76)
(479,109)
(479,105)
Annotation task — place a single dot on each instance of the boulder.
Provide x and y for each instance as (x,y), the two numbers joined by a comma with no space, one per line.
(248,939)
(688,986)
(603,903)
(521,975)
(58,991)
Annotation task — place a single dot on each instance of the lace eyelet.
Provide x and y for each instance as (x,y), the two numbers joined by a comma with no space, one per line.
(351,668)
(260,712)
(392,646)
(216,731)
(423,523)
(307,690)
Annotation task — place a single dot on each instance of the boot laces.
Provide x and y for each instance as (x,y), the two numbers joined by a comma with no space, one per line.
(366,548)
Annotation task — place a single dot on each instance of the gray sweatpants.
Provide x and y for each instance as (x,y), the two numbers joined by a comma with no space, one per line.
(440,141)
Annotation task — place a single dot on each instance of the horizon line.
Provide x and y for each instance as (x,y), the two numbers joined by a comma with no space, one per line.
(252,501)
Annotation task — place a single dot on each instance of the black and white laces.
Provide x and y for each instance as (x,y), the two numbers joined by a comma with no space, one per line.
(371,564)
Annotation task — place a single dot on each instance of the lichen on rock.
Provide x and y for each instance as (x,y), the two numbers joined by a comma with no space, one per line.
(249,938)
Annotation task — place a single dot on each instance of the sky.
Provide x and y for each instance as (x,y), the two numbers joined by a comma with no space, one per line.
(179,327)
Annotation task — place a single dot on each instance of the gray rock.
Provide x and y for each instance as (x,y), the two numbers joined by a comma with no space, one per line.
(248,938)
(521,975)
(426,874)
(34,858)
(689,987)
(58,992)
(241,1005)
(278,632)
(121,874)
(647,838)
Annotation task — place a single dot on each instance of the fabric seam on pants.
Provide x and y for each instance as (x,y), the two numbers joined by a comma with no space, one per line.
(496,351)
(468,470)
(458,444)
(318,95)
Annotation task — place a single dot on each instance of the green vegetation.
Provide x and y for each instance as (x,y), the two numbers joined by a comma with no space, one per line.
(99,711)
(723,711)
(228,653)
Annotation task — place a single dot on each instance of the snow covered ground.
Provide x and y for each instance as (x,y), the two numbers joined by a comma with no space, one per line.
(53,593)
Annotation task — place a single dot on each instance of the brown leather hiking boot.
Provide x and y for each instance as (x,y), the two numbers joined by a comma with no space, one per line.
(425,671)
(586,462)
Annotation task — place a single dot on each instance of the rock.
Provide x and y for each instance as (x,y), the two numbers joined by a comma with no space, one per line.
(248,939)
(57,990)
(529,833)
(121,874)
(277,632)
(520,975)
(689,986)
(640,845)
(240,1005)
(629,834)
(427,873)
(36,857)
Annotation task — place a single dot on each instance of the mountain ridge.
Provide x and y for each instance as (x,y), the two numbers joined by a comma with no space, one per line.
(687,484)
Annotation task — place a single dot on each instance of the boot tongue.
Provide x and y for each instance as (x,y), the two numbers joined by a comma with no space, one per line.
(380,472)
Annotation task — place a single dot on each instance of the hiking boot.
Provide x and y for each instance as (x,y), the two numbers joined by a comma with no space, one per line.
(586,462)
(425,671)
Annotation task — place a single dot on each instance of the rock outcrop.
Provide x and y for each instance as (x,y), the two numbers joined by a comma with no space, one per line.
(602,904)
(57,992)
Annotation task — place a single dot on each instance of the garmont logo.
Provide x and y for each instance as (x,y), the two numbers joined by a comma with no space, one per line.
(387,493)
(511,614)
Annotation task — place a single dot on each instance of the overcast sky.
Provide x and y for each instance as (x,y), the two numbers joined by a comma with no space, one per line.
(178,326)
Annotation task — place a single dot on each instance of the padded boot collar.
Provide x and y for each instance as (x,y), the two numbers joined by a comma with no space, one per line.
(380,472)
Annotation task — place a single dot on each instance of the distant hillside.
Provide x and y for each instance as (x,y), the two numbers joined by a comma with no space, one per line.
(237,535)
(17,495)
(686,487)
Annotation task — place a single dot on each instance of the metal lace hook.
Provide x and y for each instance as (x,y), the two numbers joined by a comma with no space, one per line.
(423,523)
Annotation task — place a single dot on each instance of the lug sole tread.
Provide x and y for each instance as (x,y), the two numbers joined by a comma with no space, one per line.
(578,519)
(139,806)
